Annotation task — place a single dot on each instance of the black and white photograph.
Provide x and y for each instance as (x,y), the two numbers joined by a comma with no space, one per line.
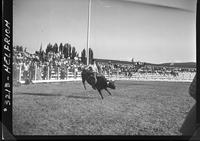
(104,67)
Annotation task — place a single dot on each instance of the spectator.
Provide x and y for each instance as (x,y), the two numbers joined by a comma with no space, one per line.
(31,71)
(26,71)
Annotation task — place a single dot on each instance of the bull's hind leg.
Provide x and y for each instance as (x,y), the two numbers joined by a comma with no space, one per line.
(83,81)
(108,91)
(100,94)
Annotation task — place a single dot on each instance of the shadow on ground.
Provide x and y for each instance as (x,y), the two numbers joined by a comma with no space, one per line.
(47,94)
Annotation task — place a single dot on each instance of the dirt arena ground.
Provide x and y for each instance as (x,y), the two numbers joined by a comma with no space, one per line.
(135,108)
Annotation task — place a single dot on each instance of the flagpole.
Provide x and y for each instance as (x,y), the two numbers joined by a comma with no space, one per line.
(88,31)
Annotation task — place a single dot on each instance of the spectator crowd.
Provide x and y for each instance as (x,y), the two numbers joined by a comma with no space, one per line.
(55,66)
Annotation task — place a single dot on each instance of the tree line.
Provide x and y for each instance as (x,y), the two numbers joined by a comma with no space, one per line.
(65,50)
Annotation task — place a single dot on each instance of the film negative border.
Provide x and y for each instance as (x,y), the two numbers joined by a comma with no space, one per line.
(197,133)
(7,134)
(7,30)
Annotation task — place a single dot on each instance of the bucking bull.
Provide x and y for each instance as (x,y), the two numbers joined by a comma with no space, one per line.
(102,82)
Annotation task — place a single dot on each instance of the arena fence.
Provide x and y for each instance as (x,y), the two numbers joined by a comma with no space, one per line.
(37,75)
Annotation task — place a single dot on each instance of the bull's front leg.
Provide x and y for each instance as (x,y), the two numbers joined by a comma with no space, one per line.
(100,94)
(108,91)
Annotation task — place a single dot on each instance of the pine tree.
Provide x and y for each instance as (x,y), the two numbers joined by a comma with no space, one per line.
(74,53)
(83,56)
(90,55)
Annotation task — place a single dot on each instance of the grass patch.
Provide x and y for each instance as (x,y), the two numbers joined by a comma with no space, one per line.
(135,108)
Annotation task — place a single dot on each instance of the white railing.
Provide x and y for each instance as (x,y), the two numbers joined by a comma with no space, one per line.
(55,76)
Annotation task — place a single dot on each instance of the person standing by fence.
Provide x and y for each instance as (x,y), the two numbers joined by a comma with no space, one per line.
(31,70)
(26,66)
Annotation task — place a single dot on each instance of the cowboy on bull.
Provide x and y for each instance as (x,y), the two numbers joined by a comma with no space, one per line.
(95,70)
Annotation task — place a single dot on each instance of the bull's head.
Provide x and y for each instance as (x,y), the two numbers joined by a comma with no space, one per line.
(111,84)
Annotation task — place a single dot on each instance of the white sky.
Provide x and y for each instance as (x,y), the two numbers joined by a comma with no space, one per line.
(119,29)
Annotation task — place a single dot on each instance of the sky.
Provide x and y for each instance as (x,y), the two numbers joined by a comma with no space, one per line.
(154,31)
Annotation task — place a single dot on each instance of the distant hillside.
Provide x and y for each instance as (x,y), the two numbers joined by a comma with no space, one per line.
(113,61)
(181,65)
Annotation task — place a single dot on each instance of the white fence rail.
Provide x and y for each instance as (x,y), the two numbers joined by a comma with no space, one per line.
(37,76)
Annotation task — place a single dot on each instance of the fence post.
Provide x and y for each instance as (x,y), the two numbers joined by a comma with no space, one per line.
(35,71)
(47,72)
(67,73)
(117,73)
(20,73)
(58,73)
